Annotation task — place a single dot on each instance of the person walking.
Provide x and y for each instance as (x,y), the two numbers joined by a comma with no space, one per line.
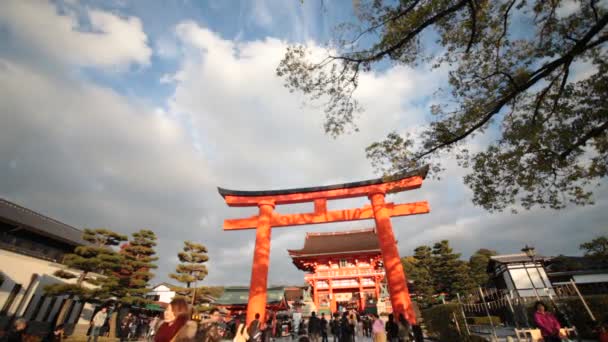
(547,323)
(98,321)
(314,327)
(392,329)
(323,328)
(177,326)
(378,329)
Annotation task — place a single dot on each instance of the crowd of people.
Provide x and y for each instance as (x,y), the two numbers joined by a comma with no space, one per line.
(352,327)
(349,326)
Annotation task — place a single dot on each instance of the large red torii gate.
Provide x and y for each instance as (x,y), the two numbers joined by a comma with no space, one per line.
(381,212)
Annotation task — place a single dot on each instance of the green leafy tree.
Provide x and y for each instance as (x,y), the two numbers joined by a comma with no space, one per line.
(451,275)
(596,249)
(511,77)
(192,268)
(419,269)
(139,257)
(98,257)
(478,264)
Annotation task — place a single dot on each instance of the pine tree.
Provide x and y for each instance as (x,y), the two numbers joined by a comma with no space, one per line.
(478,264)
(451,274)
(419,271)
(138,256)
(192,268)
(97,257)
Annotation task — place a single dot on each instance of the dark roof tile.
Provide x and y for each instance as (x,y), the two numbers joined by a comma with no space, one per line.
(41,224)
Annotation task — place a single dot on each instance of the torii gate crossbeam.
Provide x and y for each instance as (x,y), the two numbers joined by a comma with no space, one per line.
(381,212)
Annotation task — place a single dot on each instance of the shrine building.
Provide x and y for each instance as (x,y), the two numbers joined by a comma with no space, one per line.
(345,269)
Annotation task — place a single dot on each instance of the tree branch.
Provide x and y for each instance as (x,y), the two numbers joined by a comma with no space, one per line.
(594,132)
(396,17)
(408,37)
(505,23)
(539,74)
(473,11)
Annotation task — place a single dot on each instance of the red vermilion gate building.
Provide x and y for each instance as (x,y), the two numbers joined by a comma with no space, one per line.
(344,268)
(379,210)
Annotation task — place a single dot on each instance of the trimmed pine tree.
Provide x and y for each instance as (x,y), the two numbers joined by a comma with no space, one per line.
(192,268)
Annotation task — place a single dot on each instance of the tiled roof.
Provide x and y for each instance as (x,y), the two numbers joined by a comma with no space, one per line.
(240,296)
(364,240)
(32,221)
(515,258)
(293,293)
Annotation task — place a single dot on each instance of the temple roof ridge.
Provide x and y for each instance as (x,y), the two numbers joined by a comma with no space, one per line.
(344,232)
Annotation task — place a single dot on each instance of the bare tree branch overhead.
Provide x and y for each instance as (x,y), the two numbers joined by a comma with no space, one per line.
(529,74)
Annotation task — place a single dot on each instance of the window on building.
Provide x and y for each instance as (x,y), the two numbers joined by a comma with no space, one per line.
(343,263)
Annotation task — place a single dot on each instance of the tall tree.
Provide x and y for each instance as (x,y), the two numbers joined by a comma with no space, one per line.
(139,257)
(597,248)
(192,268)
(422,273)
(512,73)
(478,264)
(451,274)
(98,257)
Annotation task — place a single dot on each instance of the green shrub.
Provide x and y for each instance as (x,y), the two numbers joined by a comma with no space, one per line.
(439,322)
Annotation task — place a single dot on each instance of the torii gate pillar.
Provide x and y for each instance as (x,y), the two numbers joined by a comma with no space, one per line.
(395,274)
(261,261)
(381,212)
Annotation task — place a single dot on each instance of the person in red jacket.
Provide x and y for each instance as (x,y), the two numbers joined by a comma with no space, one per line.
(547,323)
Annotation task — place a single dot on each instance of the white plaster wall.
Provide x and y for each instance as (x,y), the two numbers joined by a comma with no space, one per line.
(18,269)
(164,292)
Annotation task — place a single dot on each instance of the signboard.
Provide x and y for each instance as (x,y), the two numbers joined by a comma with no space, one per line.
(343,297)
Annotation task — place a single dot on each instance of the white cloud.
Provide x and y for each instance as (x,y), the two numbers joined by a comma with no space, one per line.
(111,42)
(91,157)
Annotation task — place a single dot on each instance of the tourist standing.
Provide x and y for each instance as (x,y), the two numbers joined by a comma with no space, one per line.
(17,334)
(404,329)
(253,330)
(98,321)
(547,323)
(125,327)
(153,326)
(177,326)
(378,329)
(392,329)
(346,330)
(314,327)
(335,327)
(323,328)
(210,330)
(57,334)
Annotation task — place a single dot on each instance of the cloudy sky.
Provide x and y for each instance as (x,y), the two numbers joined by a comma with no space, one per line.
(128,115)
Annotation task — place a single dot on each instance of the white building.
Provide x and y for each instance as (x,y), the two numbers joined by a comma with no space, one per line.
(32,247)
(162,293)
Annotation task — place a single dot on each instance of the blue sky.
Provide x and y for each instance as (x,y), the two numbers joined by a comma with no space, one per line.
(128,115)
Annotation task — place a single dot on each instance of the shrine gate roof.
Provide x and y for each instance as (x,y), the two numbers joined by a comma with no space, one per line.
(346,242)
(421,172)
